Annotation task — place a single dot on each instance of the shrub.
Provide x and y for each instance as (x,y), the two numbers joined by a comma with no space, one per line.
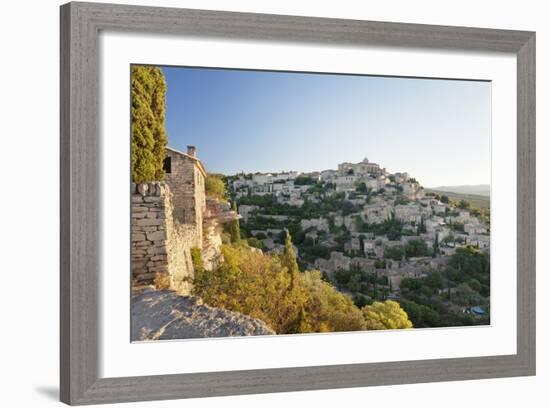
(328,309)
(196,258)
(255,243)
(259,285)
(463,204)
(254,284)
(387,315)
(215,187)
(416,247)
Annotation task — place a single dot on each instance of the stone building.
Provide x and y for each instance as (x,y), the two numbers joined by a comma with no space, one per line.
(408,213)
(320,224)
(171,218)
(185,175)
(377,213)
(362,168)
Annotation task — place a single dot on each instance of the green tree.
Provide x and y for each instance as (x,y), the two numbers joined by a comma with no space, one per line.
(255,243)
(416,247)
(215,187)
(233,228)
(148,132)
(422,226)
(436,245)
(463,204)
(360,300)
(304,180)
(434,280)
(396,253)
(474,284)
(289,260)
(362,188)
(421,315)
(445,199)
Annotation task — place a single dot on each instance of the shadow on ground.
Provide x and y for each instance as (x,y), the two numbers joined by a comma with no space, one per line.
(49,392)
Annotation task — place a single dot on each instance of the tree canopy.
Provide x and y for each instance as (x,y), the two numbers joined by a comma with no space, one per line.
(215,187)
(233,228)
(257,284)
(387,315)
(148,132)
(289,259)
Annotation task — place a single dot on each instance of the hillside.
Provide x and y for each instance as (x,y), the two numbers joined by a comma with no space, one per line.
(479,201)
(479,189)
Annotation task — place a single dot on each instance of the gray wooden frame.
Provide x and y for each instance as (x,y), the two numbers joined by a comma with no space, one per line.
(80,234)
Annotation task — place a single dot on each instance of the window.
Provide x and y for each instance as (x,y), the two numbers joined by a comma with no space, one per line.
(167,165)
(178,215)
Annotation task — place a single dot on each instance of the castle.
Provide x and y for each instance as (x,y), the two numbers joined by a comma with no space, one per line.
(362,168)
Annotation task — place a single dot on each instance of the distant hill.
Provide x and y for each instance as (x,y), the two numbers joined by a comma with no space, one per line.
(476,200)
(479,189)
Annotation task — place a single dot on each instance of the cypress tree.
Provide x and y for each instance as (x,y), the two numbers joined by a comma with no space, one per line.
(289,260)
(375,286)
(235,228)
(422,226)
(148,132)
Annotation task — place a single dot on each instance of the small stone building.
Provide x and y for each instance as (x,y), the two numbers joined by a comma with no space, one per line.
(170,218)
(185,175)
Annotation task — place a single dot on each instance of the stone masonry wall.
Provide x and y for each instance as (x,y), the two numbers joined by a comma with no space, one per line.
(161,246)
(186,182)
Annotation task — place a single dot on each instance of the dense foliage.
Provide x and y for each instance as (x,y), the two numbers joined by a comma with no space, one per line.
(438,300)
(214,187)
(334,202)
(366,286)
(392,227)
(273,289)
(148,132)
(260,286)
(304,180)
(387,315)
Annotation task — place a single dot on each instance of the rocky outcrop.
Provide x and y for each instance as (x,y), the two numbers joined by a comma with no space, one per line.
(211,244)
(217,213)
(165,315)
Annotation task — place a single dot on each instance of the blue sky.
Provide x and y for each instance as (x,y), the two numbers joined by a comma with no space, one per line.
(437,130)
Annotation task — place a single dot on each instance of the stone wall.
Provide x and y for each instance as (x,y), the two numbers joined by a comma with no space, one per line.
(161,246)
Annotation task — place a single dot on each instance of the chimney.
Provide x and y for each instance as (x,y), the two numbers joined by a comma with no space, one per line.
(191,150)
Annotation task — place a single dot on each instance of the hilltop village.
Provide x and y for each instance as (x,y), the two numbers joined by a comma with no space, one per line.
(358,217)
(348,249)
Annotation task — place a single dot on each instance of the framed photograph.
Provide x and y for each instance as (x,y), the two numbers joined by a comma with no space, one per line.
(259,203)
